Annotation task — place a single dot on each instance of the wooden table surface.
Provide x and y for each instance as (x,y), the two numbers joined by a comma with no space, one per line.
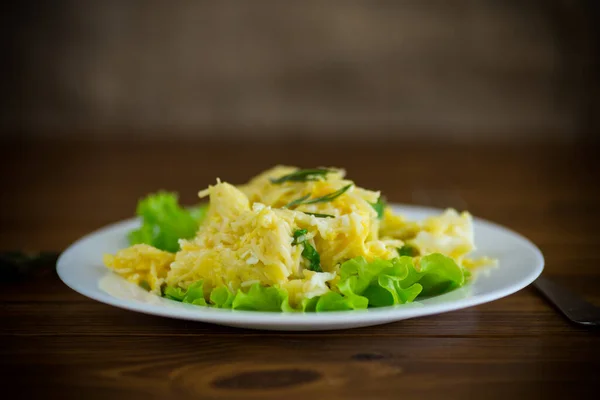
(59,344)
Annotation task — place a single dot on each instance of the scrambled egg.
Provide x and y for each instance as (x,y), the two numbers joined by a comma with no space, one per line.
(248,237)
(141,264)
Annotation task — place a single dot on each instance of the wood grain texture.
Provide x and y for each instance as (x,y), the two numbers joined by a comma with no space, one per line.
(58,344)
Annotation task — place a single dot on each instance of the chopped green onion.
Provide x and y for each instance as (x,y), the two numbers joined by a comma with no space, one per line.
(298,234)
(302,175)
(309,252)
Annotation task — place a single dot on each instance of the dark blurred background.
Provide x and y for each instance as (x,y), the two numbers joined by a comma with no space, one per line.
(104,102)
(481,70)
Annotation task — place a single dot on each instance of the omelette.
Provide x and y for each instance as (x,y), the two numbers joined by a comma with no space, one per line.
(295,239)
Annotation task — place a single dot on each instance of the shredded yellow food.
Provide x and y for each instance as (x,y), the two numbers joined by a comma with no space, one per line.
(141,263)
(248,237)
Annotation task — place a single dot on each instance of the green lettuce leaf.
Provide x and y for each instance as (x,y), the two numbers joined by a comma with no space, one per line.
(397,281)
(306,305)
(257,298)
(164,221)
(309,305)
(333,301)
(174,293)
(379,281)
(388,292)
(221,297)
(260,298)
(362,284)
(193,295)
(440,274)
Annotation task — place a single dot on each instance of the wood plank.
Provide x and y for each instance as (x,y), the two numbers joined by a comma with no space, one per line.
(517,346)
(331,366)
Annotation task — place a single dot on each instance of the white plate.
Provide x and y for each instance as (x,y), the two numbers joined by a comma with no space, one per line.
(520,263)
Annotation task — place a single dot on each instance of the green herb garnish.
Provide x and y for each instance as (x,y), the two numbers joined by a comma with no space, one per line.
(379,206)
(320,215)
(298,234)
(297,201)
(408,250)
(302,175)
(323,199)
(309,252)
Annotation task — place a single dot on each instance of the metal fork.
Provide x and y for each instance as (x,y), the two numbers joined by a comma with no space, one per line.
(568,303)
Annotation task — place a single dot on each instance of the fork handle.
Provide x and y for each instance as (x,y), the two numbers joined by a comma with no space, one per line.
(572,306)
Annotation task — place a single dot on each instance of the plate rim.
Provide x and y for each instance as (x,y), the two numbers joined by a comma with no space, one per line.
(317,321)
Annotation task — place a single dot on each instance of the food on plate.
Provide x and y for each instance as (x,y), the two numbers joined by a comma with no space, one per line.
(294,240)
